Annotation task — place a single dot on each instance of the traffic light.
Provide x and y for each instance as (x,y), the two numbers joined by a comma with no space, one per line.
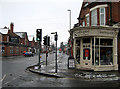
(45,40)
(39,34)
(56,37)
(48,41)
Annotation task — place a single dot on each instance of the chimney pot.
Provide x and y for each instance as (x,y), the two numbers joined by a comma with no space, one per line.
(11,26)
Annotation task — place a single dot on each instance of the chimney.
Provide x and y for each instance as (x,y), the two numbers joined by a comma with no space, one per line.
(11,26)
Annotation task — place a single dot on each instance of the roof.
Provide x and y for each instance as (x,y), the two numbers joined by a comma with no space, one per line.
(12,34)
(21,34)
(3,31)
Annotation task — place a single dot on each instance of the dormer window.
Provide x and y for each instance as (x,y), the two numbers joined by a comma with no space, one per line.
(86,4)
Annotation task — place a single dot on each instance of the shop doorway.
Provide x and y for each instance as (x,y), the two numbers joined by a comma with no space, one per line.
(87,62)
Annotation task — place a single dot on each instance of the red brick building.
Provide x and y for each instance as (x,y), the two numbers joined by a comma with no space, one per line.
(99,13)
(14,43)
(95,38)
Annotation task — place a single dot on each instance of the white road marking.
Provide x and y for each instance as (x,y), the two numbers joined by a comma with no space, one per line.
(12,80)
(3,78)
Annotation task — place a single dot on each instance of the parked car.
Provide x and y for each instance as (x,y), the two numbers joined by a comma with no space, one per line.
(28,54)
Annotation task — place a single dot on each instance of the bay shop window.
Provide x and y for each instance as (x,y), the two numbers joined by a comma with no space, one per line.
(102,51)
(95,48)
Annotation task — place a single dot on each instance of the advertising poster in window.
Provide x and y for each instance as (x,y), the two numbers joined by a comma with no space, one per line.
(86,54)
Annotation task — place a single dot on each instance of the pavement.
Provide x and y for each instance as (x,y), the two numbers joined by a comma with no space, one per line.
(64,72)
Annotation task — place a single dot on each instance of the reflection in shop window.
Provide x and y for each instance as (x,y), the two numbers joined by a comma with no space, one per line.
(106,54)
(77,42)
(96,55)
(106,51)
(103,51)
(106,42)
(78,54)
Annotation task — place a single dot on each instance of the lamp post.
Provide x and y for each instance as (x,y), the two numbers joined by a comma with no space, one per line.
(70,27)
(69,19)
(56,38)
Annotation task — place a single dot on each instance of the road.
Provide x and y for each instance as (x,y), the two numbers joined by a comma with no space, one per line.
(14,74)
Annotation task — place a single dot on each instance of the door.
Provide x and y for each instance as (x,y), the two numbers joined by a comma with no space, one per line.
(87,62)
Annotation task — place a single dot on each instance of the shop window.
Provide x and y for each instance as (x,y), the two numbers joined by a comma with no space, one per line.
(86,40)
(77,42)
(97,41)
(106,51)
(106,54)
(106,42)
(78,54)
(96,55)
(102,51)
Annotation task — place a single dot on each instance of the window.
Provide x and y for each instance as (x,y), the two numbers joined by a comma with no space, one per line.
(102,16)
(102,51)
(86,4)
(87,20)
(11,50)
(83,23)
(17,50)
(94,17)
(106,51)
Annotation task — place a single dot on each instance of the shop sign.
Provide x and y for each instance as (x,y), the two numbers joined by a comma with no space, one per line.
(81,33)
(106,32)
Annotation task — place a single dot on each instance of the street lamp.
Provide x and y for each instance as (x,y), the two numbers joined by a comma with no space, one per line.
(69,19)
(70,27)
(56,38)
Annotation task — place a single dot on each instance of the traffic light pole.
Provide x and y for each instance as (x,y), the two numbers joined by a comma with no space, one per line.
(56,56)
(39,54)
(46,55)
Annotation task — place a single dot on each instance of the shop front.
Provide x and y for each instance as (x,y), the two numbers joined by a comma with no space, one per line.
(95,48)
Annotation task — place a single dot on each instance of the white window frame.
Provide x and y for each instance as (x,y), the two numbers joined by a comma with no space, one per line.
(92,17)
(101,16)
(87,17)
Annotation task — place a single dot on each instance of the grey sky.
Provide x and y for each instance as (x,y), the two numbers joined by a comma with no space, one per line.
(50,15)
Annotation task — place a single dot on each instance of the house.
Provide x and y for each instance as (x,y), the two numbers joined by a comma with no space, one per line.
(95,38)
(23,41)
(14,43)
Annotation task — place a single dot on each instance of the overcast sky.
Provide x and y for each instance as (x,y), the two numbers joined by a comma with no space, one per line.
(50,15)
